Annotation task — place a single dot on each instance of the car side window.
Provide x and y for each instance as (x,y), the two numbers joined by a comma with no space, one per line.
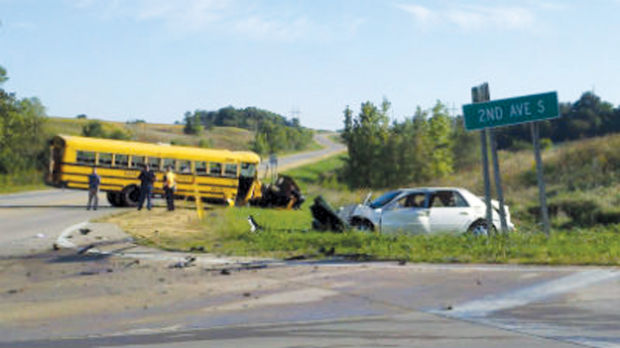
(414,200)
(447,199)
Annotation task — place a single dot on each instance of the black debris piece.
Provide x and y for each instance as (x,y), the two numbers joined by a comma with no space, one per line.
(247,294)
(296,258)
(327,252)
(225,272)
(325,217)
(198,248)
(131,263)
(84,231)
(14,291)
(55,247)
(402,262)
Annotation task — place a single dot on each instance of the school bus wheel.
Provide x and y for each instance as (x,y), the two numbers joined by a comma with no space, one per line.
(131,195)
(115,198)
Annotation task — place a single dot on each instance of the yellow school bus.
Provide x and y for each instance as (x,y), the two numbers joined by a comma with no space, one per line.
(223,176)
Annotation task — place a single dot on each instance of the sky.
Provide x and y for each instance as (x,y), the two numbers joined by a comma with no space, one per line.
(156,59)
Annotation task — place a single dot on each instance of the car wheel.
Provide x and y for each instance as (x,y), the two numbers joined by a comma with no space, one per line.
(478,228)
(131,196)
(362,225)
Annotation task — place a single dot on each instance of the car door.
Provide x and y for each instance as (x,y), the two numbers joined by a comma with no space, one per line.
(449,212)
(408,214)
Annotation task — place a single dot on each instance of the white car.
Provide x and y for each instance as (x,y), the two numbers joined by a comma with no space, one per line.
(427,210)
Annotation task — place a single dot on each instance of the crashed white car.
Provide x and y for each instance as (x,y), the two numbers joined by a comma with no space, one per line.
(427,210)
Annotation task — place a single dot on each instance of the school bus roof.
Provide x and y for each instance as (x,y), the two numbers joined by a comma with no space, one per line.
(157,150)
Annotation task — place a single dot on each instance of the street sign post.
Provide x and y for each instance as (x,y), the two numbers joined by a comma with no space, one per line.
(511,111)
(481,94)
(504,112)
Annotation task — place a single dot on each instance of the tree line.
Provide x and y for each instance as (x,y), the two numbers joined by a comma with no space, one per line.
(431,144)
(588,117)
(273,132)
(22,138)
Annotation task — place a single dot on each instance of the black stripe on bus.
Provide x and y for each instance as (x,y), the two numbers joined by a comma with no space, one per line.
(137,182)
(158,191)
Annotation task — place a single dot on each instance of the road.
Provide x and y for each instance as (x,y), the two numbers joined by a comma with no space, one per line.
(329,148)
(62,298)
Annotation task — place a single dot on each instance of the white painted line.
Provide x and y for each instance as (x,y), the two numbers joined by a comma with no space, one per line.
(62,240)
(481,308)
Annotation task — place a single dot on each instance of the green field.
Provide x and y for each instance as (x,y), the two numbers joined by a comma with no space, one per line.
(584,200)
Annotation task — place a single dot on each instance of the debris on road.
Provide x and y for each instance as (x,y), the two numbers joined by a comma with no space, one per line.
(129,264)
(402,262)
(325,217)
(55,247)
(84,231)
(187,262)
(225,272)
(85,249)
(14,291)
(198,248)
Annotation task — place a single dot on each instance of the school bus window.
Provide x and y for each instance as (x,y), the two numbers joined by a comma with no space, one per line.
(248,170)
(185,166)
(215,169)
(137,161)
(154,163)
(230,170)
(121,161)
(86,157)
(201,167)
(105,159)
(170,162)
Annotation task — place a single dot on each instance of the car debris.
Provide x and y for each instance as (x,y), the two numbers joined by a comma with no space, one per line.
(187,262)
(129,264)
(325,218)
(85,249)
(84,231)
(254,226)
(284,193)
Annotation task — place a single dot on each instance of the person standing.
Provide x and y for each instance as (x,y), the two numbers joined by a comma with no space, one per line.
(170,186)
(94,180)
(147,179)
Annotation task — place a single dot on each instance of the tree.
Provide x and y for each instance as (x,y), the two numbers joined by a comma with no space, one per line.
(93,129)
(440,133)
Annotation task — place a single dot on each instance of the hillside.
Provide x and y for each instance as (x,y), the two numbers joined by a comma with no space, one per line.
(217,137)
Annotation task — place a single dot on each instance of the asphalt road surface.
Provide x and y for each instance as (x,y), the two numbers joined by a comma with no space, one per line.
(63,298)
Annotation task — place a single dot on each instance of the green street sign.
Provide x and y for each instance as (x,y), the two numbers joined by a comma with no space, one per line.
(505,112)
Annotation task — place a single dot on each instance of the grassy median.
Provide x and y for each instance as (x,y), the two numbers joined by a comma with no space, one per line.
(286,234)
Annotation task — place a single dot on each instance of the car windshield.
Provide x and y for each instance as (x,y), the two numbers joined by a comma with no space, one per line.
(383,199)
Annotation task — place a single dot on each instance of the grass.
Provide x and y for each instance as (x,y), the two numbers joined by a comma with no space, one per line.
(19,182)
(288,234)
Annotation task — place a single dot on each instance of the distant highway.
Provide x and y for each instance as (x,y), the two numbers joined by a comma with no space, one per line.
(330,148)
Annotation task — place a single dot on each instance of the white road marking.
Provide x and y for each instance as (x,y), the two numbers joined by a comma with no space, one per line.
(483,307)
(479,310)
